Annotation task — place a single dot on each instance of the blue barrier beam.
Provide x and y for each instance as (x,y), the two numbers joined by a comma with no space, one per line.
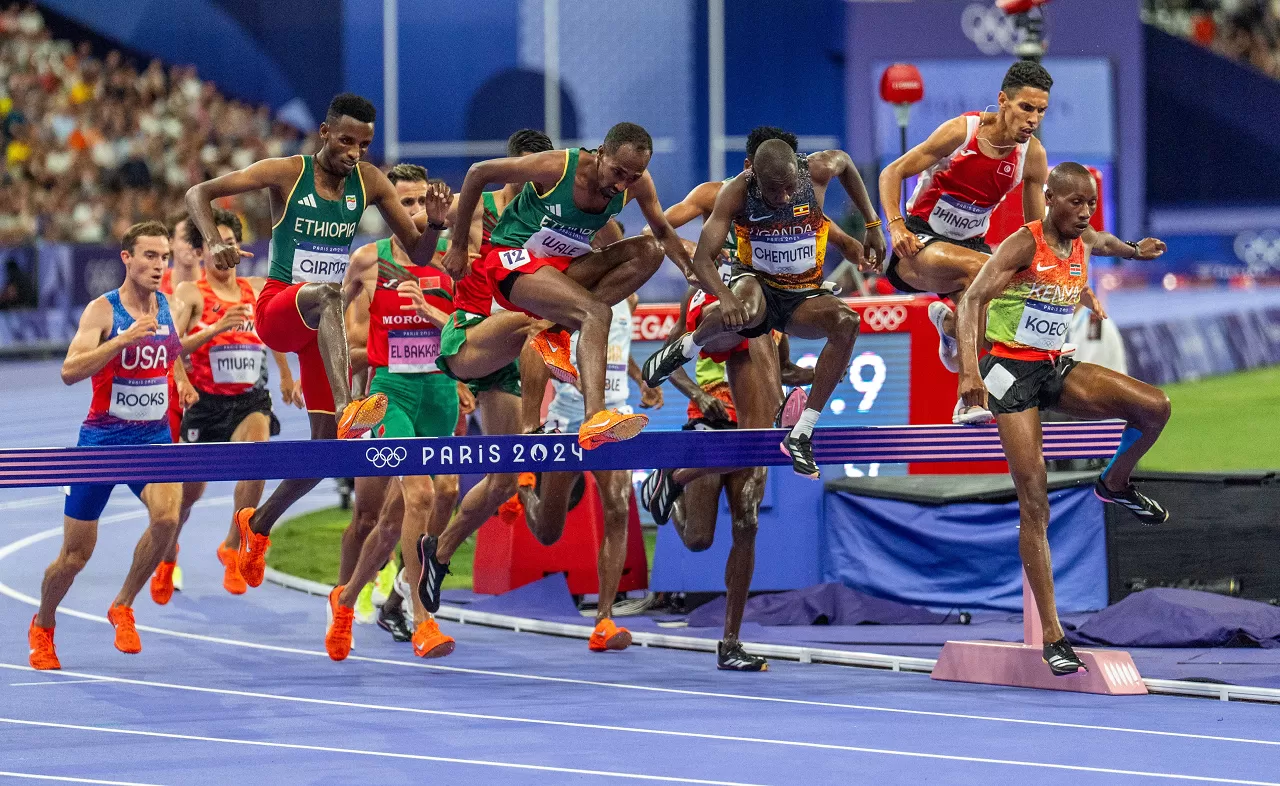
(24,467)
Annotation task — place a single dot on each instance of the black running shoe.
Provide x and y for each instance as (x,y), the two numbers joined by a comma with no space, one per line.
(800,449)
(393,622)
(649,486)
(1145,508)
(663,363)
(732,657)
(433,574)
(1062,659)
(662,498)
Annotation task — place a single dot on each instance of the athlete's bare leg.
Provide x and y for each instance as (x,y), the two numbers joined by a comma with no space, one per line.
(499,414)
(745,490)
(1092,392)
(534,376)
(370,496)
(749,291)
(410,498)
(825,317)
(943,268)
(695,512)
(323,426)
(494,343)
(582,297)
(321,308)
(256,427)
(446,498)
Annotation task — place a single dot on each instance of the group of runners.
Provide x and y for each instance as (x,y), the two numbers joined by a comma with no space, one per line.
(536,281)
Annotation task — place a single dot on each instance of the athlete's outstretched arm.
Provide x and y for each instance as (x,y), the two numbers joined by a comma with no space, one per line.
(277,174)
(1105,244)
(646,197)
(1014,254)
(541,169)
(361,275)
(192,305)
(417,235)
(1035,173)
(697,204)
(940,144)
(836,163)
(729,202)
(88,353)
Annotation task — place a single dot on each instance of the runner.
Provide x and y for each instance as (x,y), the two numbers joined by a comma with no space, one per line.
(967,166)
(1029,291)
(185,266)
(404,306)
(776,211)
(127,343)
(545,505)
(229,375)
(317,202)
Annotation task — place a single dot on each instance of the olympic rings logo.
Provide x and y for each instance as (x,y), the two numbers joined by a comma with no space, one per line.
(884,318)
(386,457)
(989,28)
(1259,250)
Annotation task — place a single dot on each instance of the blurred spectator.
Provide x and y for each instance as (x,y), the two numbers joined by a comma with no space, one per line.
(92,145)
(18,290)
(1243,30)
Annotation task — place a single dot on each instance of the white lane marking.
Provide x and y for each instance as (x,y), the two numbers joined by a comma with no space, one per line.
(851,748)
(380,754)
(68,779)
(32,502)
(54,682)
(5,589)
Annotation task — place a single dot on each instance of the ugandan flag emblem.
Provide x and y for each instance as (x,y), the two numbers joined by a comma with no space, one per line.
(800,210)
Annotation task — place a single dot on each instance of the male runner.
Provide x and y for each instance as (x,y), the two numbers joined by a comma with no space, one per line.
(545,506)
(317,202)
(967,166)
(542,262)
(184,266)
(127,342)
(404,305)
(1029,290)
(776,212)
(229,374)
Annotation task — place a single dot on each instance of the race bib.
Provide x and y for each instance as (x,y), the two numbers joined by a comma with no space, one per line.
(139,399)
(514,259)
(558,242)
(1043,325)
(785,254)
(413,351)
(616,388)
(317,264)
(237,364)
(958,220)
(726,273)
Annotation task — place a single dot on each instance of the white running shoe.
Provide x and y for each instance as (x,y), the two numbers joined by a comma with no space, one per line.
(948,347)
(406,595)
(971,416)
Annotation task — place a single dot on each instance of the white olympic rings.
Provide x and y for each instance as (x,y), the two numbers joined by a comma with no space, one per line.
(386,457)
(882,318)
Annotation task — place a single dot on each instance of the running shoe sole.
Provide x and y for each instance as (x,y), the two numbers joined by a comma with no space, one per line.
(620,431)
(369,414)
(815,476)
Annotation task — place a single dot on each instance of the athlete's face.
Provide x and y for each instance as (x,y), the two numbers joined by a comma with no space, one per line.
(1072,205)
(412,195)
(1023,111)
(345,143)
(144,267)
(778,188)
(621,169)
(184,253)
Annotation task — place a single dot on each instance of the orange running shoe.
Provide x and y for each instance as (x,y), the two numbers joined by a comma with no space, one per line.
(252,557)
(337,638)
(162,583)
(608,636)
(429,642)
(361,415)
(511,512)
(127,641)
(609,425)
(527,480)
(43,655)
(232,581)
(554,347)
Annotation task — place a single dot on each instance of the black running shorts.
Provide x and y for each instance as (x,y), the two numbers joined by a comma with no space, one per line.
(927,237)
(214,418)
(1019,385)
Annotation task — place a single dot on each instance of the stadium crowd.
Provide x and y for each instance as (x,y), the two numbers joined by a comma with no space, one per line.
(92,145)
(1243,30)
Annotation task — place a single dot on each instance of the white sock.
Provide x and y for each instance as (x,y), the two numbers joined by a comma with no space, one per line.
(687,346)
(808,419)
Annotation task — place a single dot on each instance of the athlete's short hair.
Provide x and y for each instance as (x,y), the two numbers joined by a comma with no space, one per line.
(774,160)
(1065,173)
(627,134)
(1025,73)
(401,172)
(761,134)
(353,106)
(221,218)
(526,141)
(173,220)
(143,229)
